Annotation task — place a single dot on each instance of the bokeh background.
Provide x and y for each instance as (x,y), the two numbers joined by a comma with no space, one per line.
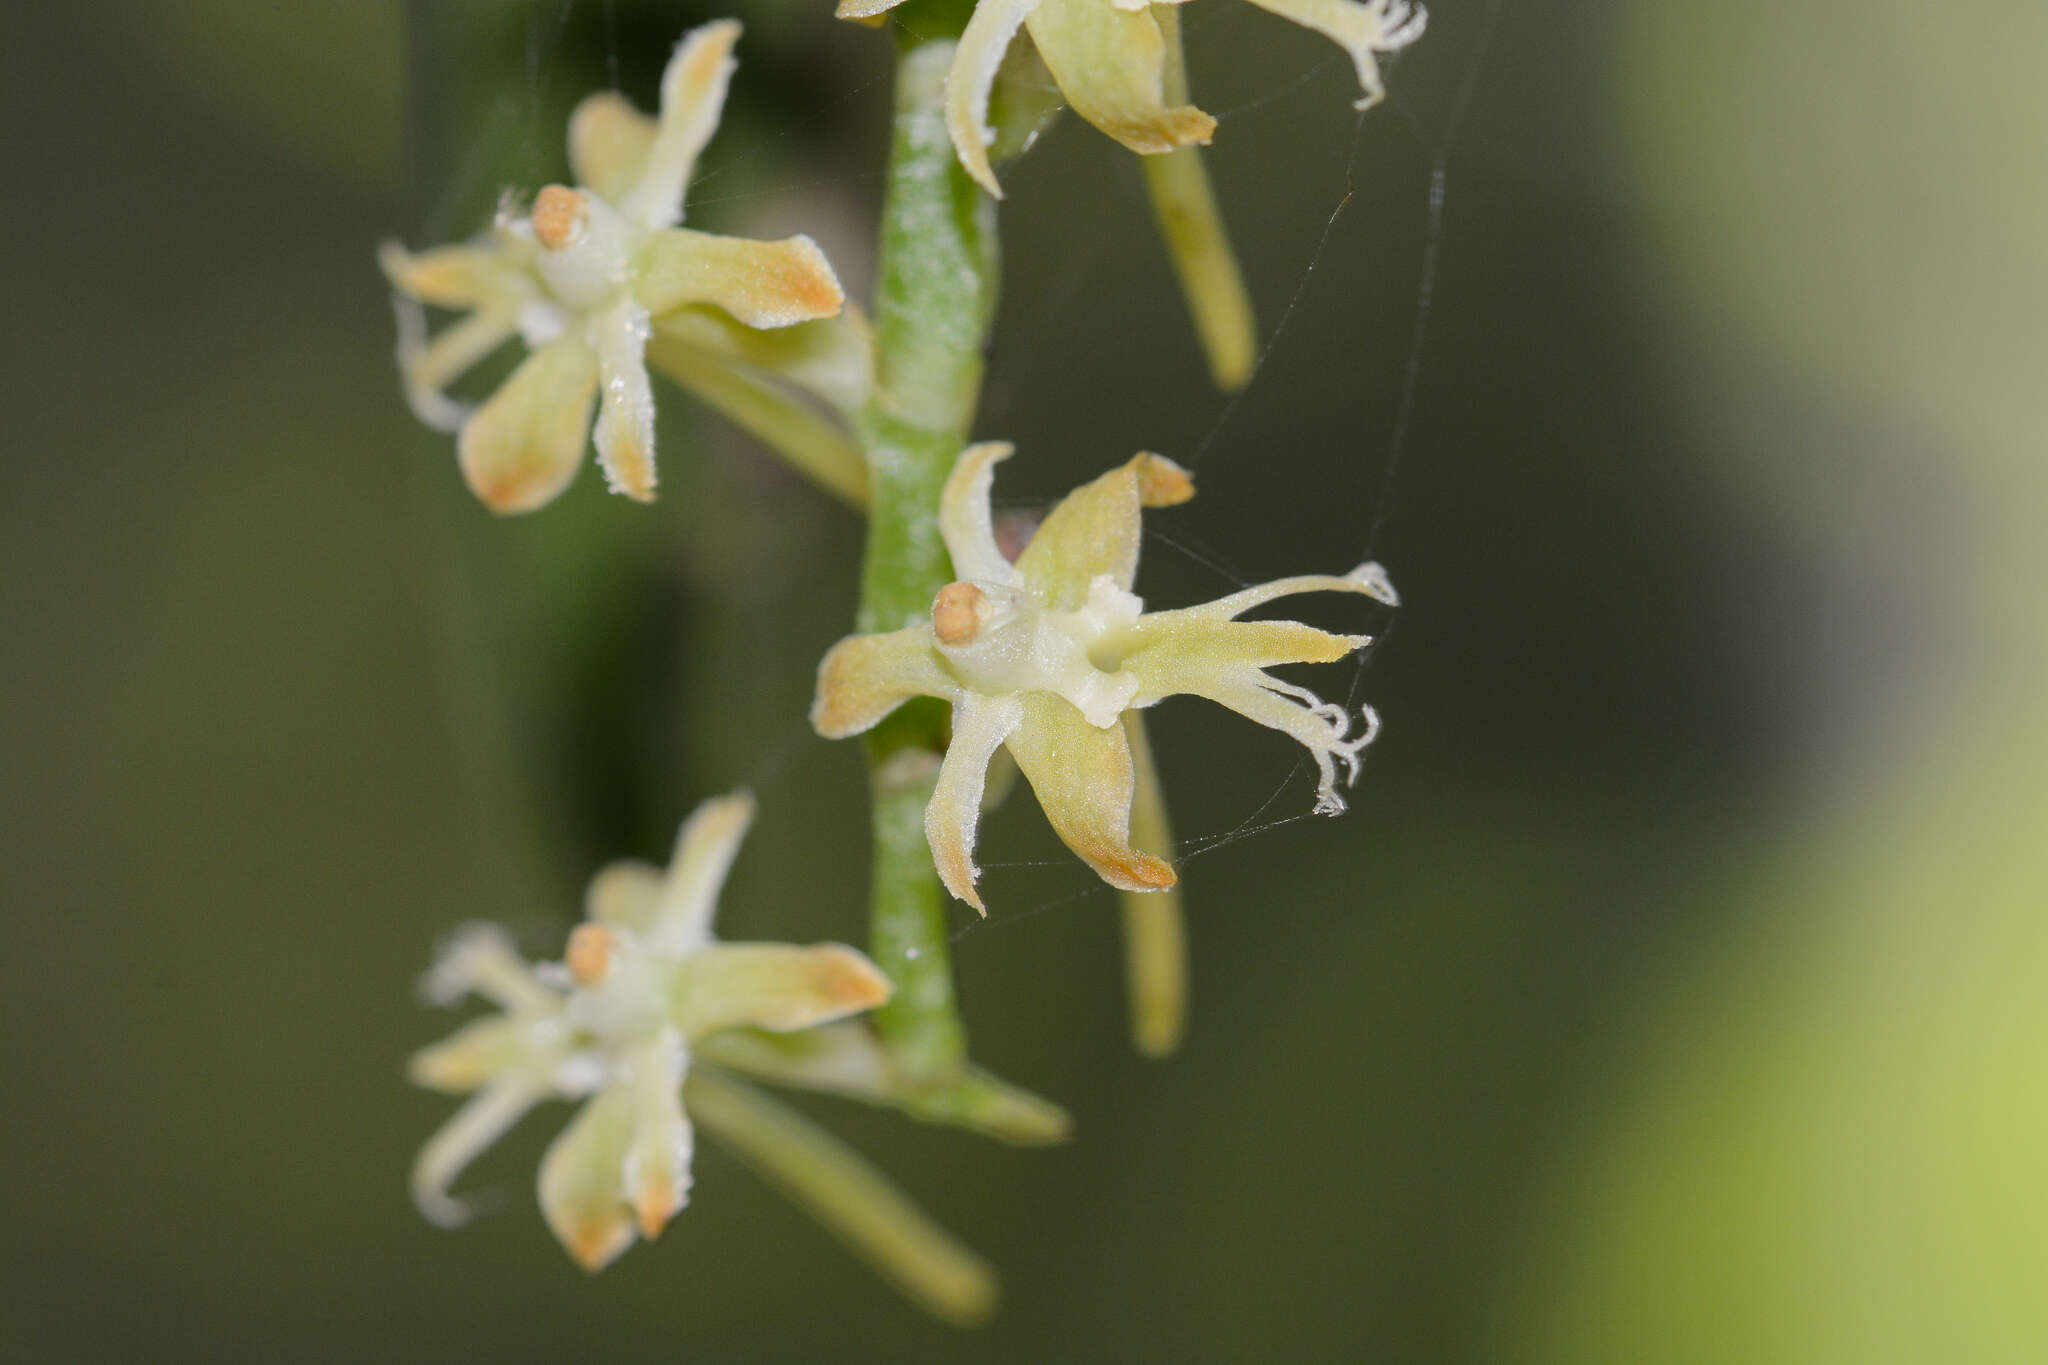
(1672,992)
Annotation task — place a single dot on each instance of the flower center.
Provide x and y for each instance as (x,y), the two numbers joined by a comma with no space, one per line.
(586,247)
(998,640)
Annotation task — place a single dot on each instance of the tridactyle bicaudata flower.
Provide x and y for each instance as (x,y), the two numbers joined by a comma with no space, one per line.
(641,986)
(1110,58)
(581,277)
(1044,656)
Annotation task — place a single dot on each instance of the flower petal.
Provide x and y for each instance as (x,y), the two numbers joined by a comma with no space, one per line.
(1111,63)
(1324,729)
(1083,778)
(972,75)
(833,358)
(964,518)
(474,1054)
(426,368)
(625,424)
(608,143)
(459,276)
(775,986)
(763,284)
(1095,530)
(583,1179)
(705,847)
(520,449)
(476,1125)
(1361,29)
(952,815)
(657,1174)
(479,959)
(692,97)
(865,677)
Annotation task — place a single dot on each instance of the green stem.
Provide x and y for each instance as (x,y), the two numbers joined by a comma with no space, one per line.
(935,300)
(846,1194)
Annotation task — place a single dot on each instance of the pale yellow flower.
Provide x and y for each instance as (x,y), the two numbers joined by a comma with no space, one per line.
(1110,59)
(641,986)
(1044,657)
(582,277)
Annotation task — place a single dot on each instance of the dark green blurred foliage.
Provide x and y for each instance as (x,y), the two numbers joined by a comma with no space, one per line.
(282,705)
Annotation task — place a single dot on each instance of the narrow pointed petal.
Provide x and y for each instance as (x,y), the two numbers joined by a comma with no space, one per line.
(1095,530)
(1111,63)
(426,367)
(973,74)
(472,1055)
(583,1179)
(1170,652)
(625,424)
(480,959)
(692,98)
(520,449)
(1083,778)
(965,521)
(763,284)
(460,276)
(705,847)
(849,1196)
(1368,579)
(1361,28)
(1322,728)
(608,143)
(775,986)
(658,1163)
(865,677)
(624,895)
(954,812)
(477,1124)
(833,357)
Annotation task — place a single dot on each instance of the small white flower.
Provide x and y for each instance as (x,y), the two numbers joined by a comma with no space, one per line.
(583,278)
(642,983)
(1044,656)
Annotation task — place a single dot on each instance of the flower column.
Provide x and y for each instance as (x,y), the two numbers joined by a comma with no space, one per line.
(935,299)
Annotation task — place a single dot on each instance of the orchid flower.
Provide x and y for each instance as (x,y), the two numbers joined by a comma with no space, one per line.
(1110,59)
(583,277)
(1045,656)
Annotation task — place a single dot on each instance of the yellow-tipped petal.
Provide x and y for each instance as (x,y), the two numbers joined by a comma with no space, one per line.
(705,848)
(987,36)
(608,143)
(965,521)
(865,677)
(1362,28)
(692,97)
(1095,530)
(583,1180)
(1111,64)
(625,423)
(658,1162)
(775,986)
(476,1125)
(520,449)
(763,284)
(460,276)
(1083,778)
(954,811)
(473,1055)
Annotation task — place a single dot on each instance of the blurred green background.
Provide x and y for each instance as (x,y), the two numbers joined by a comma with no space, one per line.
(1672,992)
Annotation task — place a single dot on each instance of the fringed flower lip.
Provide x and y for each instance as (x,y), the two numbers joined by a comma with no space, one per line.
(1110,59)
(582,277)
(1044,656)
(641,986)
